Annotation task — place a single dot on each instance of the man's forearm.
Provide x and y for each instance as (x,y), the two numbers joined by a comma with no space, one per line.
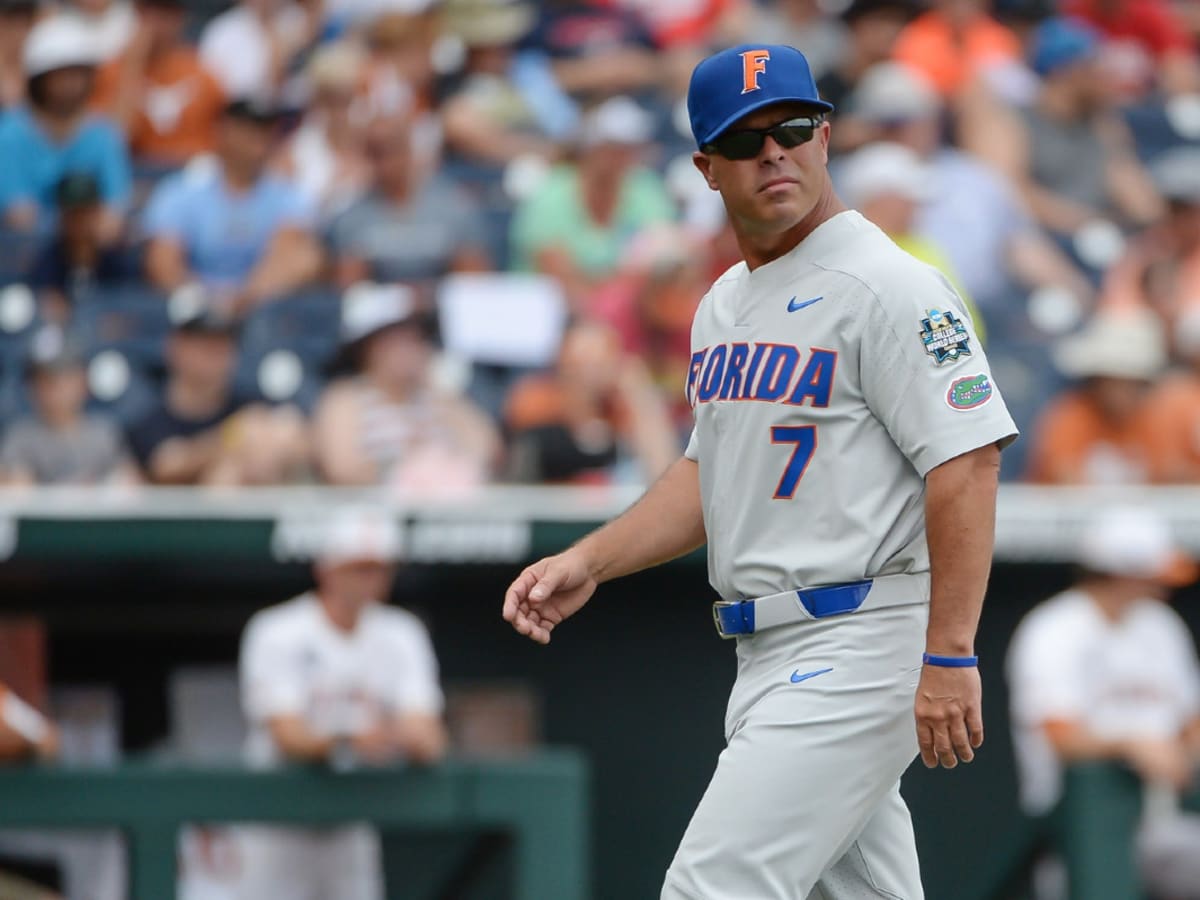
(292,261)
(296,742)
(960,525)
(666,522)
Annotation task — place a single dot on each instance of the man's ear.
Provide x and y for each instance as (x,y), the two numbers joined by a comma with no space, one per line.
(704,164)
(825,132)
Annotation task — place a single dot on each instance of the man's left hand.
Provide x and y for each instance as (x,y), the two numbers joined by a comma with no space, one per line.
(949,712)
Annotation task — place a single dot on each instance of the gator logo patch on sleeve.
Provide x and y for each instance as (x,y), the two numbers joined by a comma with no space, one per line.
(969,392)
(944,336)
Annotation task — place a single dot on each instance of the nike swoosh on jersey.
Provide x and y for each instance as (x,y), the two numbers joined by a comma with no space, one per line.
(793,305)
(797,677)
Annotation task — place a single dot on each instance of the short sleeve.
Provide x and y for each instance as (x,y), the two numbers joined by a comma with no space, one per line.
(416,687)
(1189,666)
(164,216)
(14,186)
(16,451)
(692,451)
(342,234)
(650,204)
(1045,673)
(924,372)
(270,673)
(540,220)
(295,208)
(115,175)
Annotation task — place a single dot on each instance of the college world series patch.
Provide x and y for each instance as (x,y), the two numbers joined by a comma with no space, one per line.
(969,392)
(944,336)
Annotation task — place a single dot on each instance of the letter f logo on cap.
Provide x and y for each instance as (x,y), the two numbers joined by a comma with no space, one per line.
(754,63)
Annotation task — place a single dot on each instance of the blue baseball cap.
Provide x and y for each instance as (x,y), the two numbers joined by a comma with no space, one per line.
(1061,42)
(737,81)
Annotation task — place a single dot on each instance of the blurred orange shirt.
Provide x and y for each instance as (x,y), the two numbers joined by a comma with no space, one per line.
(181,101)
(950,59)
(1173,412)
(1074,444)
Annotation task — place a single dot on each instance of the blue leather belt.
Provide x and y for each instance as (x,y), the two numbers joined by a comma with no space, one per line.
(739,617)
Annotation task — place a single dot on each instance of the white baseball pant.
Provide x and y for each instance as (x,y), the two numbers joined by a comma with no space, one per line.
(805,801)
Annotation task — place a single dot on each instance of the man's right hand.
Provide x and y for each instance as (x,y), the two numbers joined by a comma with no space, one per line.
(547,592)
(1160,761)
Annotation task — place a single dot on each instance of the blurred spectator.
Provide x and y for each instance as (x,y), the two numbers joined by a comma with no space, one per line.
(651,303)
(1161,267)
(388,422)
(490,117)
(336,676)
(957,45)
(871,30)
(695,24)
(804,24)
(597,49)
(74,260)
(596,410)
(16,18)
(888,183)
(1107,671)
(326,156)
(972,213)
(199,431)
(24,732)
(1100,432)
(231,224)
(1146,38)
(109,23)
(60,443)
(1074,159)
(1173,410)
(160,94)
(1161,271)
(578,221)
(400,37)
(252,46)
(55,133)
(408,227)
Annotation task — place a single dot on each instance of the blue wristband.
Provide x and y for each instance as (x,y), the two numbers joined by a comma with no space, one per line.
(950,662)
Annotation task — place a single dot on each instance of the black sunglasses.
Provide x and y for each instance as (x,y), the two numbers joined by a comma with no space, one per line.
(748,143)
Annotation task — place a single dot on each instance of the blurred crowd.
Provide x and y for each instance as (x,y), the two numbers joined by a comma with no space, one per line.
(436,243)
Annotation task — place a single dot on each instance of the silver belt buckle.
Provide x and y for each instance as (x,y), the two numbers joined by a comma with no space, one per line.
(721,604)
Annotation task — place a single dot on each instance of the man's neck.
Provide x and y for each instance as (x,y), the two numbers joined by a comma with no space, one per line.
(61,423)
(240,178)
(341,617)
(1059,104)
(58,127)
(1112,601)
(195,401)
(760,249)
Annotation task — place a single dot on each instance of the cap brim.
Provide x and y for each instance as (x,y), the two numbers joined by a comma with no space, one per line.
(819,105)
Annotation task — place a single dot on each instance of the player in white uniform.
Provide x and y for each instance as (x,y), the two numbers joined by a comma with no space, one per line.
(843,469)
(335,676)
(1106,670)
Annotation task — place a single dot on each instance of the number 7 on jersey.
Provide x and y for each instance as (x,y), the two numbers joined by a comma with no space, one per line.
(804,439)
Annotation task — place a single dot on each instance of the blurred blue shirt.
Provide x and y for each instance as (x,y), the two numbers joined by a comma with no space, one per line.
(223,233)
(31,164)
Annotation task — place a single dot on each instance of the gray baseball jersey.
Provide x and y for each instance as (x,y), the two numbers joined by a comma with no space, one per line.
(825,385)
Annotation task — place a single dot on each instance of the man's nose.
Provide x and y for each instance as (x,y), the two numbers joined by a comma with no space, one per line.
(771,149)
